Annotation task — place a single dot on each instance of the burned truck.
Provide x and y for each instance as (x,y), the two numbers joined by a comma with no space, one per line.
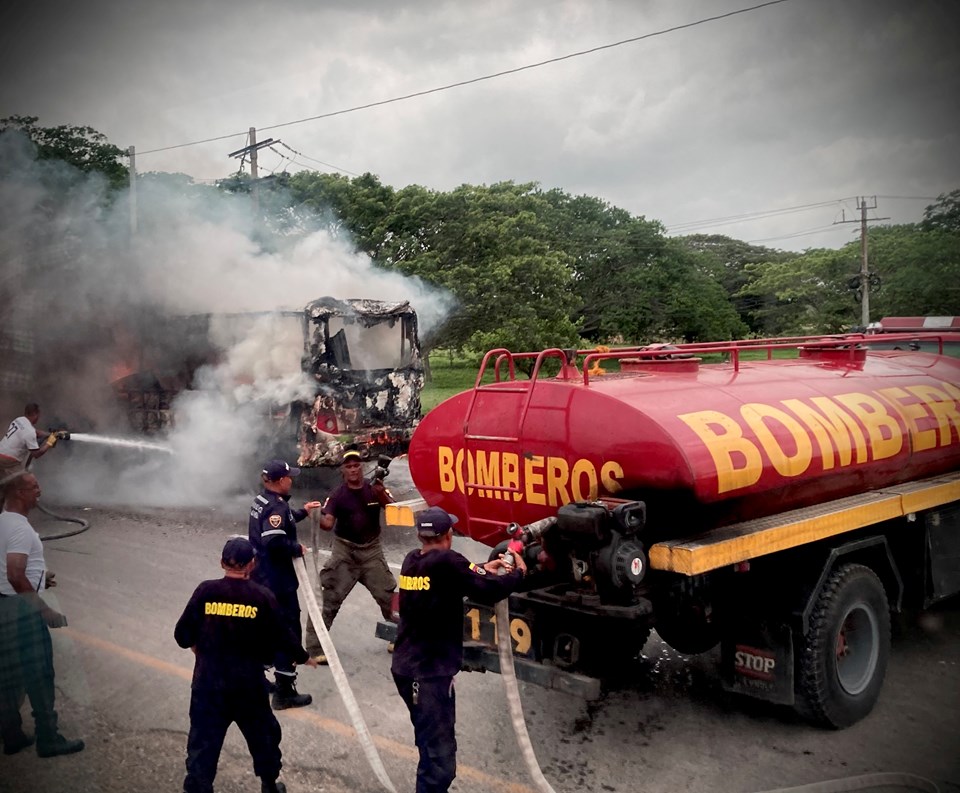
(337,373)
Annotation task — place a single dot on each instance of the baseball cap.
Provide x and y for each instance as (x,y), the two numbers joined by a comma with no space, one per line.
(277,469)
(237,552)
(350,454)
(434,522)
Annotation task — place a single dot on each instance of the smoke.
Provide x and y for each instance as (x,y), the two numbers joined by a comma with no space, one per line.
(80,291)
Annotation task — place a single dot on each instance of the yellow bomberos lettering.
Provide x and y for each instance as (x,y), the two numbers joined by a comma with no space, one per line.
(834,430)
(488,472)
(230,610)
(415,583)
(943,408)
(913,413)
(886,437)
(758,417)
(736,459)
(847,429)
(538,479)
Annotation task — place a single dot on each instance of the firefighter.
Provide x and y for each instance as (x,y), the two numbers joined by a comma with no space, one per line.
(353,512)
(273,533)
(23,443)
(429,648)
(233,625)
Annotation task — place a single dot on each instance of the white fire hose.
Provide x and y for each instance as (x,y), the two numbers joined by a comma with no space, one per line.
(340,677)
(505,649)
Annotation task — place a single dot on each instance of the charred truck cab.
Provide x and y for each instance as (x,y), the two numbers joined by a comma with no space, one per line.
(356,364)
(364,356)
(779,506)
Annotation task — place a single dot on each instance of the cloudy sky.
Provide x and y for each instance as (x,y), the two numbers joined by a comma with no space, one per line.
(803,102)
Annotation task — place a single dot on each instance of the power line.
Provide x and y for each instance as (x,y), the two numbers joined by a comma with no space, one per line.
(748,216)
(473,80)
(321,162)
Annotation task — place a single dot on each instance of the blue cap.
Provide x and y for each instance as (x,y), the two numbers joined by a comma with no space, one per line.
(237,552)
(434,522)
(277,469)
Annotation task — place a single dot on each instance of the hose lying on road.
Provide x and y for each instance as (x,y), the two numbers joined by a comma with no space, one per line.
(84,525)
(884,781)
(505,650)
(340,677)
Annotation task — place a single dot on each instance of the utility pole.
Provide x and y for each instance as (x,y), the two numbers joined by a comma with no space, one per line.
(254,187)
(864,275)
(252,148)
(132,153)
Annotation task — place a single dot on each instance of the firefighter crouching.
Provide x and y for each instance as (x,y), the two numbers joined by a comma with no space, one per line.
(233,626)
(429,648)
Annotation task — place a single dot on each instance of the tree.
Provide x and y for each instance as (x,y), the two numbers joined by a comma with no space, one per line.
(944,215)
(82,147)
(726,259)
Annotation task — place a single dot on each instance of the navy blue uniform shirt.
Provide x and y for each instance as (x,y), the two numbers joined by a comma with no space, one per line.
(236,627)
(273,534)
(432,588)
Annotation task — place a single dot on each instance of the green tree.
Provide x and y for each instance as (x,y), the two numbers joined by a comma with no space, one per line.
(727,260)
(82,147)
(944,215)
(918,270)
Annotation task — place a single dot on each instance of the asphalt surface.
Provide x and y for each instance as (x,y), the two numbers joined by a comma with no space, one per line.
(123,686)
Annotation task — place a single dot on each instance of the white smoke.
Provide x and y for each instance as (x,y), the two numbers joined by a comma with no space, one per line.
(67,249)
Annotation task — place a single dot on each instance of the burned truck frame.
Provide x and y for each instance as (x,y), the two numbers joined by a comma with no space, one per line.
(364,356)
(357,363)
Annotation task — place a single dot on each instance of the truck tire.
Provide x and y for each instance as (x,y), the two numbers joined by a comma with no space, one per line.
(843,657)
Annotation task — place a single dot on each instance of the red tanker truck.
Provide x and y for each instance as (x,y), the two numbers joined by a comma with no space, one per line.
(779,502)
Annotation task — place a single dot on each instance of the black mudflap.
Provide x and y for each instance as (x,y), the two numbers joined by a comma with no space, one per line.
(757,660)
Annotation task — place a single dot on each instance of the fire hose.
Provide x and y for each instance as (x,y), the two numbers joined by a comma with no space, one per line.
(508,673)
(340,677)
(84,524)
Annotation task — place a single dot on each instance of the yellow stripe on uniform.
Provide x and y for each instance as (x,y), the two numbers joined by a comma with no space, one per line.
(750,539)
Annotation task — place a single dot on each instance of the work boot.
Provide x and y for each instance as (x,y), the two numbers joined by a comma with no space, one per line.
(286,695)
(14,742)
(56,744)
(272,787)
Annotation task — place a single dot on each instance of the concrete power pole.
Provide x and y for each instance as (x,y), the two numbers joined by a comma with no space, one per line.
(254,187)
(864,275)
(252,148)
(132,152)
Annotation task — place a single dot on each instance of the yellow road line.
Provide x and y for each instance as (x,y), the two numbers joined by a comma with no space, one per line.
(750,539)
(333,726)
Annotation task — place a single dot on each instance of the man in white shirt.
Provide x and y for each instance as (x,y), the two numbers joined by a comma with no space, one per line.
(26,653)
(22,442)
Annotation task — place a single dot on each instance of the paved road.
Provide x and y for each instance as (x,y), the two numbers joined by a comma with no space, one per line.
(123,685)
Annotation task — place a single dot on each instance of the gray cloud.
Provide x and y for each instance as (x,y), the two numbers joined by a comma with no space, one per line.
(802,102)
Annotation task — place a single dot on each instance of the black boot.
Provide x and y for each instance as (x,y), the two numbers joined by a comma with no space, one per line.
(55,744)
(286,695)
(15,741)
(272,787)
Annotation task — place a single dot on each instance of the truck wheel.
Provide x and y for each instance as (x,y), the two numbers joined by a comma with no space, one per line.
(843,657)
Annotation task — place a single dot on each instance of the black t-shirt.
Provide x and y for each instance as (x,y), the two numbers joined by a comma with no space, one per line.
(236,627)
(432,588)
(357,512)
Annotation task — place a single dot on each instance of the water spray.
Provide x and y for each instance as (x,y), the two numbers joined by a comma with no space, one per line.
(126,443)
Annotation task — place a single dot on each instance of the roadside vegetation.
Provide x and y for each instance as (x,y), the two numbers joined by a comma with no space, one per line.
(530,267)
